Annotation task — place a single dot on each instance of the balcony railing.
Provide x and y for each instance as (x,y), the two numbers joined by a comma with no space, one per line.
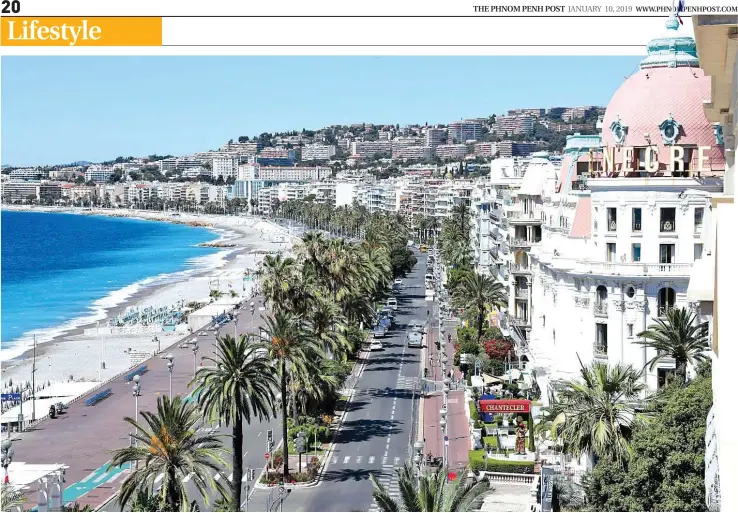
(519,321)
(664,310)
(612,225)
(600,309)
(636,268)
(517,215)
(520,269)
(636,226)
(668,226)
(600,350)
(522,243)
(522,293)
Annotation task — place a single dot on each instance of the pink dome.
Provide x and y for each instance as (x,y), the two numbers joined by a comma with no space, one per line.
(650,97)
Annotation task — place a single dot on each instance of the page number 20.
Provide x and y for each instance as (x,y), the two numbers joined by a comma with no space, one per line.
(11,6)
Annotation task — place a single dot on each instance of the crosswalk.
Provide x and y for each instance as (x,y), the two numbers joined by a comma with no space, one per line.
(406,382)
(389,480)
(395,461)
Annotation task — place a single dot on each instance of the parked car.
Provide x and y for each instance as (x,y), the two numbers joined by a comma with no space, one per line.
(202,334)
(398,281)
(376,345)
(386,322)
(417,326)
(392,303)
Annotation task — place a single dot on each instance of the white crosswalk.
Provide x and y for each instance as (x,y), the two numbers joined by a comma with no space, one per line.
(389,480)
(388,462)
(406,382)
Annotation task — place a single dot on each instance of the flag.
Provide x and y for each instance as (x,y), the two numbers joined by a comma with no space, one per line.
(680,8)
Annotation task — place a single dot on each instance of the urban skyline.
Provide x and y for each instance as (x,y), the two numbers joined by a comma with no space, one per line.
(139,116)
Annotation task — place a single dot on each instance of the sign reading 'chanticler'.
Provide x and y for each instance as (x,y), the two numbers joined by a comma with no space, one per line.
(504,406)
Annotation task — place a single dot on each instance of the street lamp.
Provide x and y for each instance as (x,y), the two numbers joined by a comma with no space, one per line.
(156,340)
(195,348)
(7,455)
(136,395)
(418,458)
(443,423)
(170,366)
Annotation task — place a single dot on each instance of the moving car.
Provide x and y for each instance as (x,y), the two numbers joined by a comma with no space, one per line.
(376,345)
(386,322)
(414,339)
(417,326)
(379,331)
(392,303)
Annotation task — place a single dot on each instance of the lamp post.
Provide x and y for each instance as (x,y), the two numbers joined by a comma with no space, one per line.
(444,361)
(170,366)
(446,388)
(157,341)
(195,348)
(7,455)
(136,395)
(443,424)
(418,458)
(252,308)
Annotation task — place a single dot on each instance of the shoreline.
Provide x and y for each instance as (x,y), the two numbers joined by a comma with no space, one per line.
(241,241)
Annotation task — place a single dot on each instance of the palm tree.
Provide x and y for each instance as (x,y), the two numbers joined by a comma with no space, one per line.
(168,445)
(11,498)
(596,415)
(479,292)
(679,337)
(294,349)
(276,275)
(432,492)
(239,387)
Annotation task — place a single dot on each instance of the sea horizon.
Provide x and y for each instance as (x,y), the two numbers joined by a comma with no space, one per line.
(61,271)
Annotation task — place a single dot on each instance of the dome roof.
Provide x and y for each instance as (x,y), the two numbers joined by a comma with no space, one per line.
(662,104)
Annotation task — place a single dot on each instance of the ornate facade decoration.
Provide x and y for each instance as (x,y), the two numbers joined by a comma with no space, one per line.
(619,131)
(669,129)
(640,306)
(694,307)
(619,305)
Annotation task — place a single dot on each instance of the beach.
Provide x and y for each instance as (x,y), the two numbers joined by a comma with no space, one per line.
(77,353)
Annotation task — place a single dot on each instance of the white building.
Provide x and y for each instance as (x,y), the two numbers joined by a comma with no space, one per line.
(225,167)
(97,173)
(434,137)
(368,149)
(451,151)
(462,131)
(28,173)
(318,152)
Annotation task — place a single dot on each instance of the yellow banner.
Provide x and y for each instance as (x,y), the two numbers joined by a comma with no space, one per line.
(112,31)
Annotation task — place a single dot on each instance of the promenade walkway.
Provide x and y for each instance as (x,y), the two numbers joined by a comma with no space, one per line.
(84,437)
(457,422)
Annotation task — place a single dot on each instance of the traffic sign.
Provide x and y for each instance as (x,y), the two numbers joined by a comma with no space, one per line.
(267,455)
(445,438)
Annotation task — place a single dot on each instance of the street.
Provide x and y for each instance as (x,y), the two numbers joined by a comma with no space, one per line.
(379,427)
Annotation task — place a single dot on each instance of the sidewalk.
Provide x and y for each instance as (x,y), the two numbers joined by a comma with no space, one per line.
(457,422)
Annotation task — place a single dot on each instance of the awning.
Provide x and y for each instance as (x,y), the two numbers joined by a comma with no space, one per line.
(702,280)
(490,380)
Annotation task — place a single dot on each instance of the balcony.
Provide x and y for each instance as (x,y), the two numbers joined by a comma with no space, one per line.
(612,225)
(635,269)
(522,293)
(600,309)
(600,351)
(520,269)
(522,243)
(495,214)
(667,226)
(518,217)
(663,310)
(521,322)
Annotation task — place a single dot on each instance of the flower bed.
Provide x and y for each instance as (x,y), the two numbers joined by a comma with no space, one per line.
(477,463)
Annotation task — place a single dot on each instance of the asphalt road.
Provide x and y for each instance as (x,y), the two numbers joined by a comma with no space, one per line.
(376,435)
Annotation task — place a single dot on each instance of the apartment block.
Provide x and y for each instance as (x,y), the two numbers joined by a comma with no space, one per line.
(366,149)
(450,151)
(318,152)
(462,131)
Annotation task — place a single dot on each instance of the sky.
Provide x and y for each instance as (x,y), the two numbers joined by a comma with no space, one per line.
(58,110)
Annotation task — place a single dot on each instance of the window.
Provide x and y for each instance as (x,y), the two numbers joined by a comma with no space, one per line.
(630,331)
(612,219)
(600,305)
(666,301)
(600,345)
(630,292)
(611,252)
(636,253)
(636,219)
(668,219)
(667,254)
(698,215)
(664,376)
(697,251)
(543,319)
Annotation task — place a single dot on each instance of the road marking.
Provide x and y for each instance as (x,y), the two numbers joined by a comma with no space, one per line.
(217,476)
(346,459)
(159,478)
(103,476)
(244,454)
(389,438)
(397,460)
(371,460)
(358,459)
(188,477)
(230,478)
(384,460)
(334,460)
(259,433)
(245,477)
(115,476)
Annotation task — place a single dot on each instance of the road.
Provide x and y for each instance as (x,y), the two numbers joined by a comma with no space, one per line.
(376,435)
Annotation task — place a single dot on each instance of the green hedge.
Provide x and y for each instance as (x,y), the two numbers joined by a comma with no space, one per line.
(477,463)
(473,411)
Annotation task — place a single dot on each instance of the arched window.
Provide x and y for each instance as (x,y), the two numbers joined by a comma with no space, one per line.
(666,300)
(600,304)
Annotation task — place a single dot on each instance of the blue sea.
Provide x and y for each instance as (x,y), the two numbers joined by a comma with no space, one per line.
(60,271)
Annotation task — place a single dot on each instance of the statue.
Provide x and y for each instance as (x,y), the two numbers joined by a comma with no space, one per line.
(520,438)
